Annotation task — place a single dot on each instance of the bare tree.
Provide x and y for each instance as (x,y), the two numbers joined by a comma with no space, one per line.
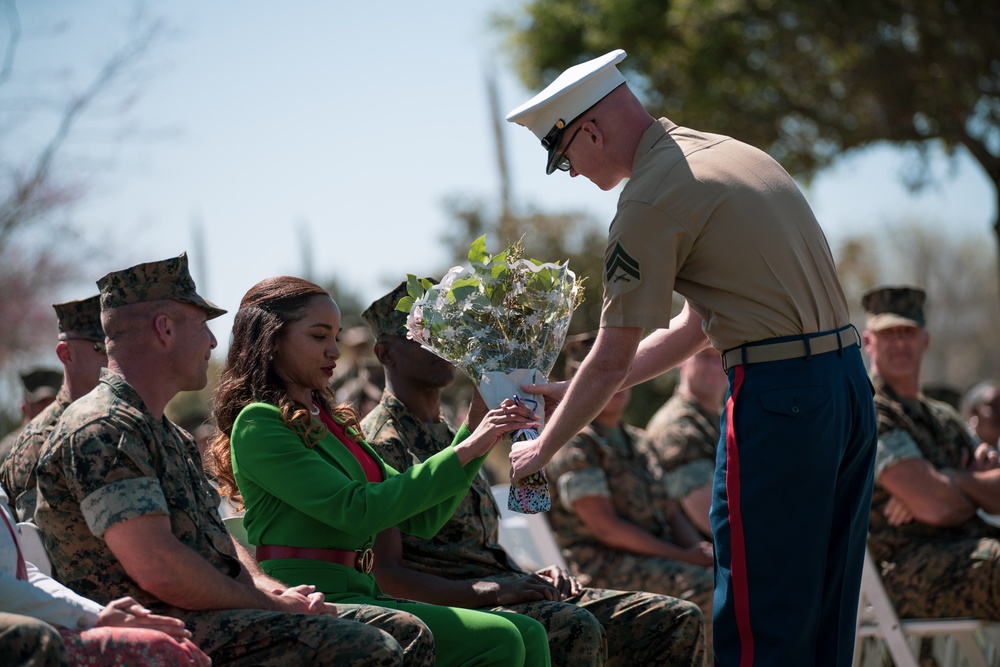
(37,192)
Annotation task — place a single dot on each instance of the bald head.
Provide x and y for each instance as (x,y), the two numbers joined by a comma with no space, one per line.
(605,138)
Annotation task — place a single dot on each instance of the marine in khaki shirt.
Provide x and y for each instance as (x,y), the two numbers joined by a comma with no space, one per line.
(725,226)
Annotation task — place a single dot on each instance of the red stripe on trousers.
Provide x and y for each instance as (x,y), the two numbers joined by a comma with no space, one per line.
(737,546)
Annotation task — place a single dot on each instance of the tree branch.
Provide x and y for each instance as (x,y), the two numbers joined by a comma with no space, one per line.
(14,21)
(24,204)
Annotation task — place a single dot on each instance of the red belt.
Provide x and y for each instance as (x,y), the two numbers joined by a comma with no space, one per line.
(362,561)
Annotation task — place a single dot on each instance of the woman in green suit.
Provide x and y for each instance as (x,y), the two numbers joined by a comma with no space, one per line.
(316,494)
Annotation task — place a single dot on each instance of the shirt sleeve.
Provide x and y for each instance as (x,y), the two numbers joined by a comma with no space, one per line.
(39,596)
(110,473)
(48,600)
(583,484)
(577,471)
(268,453)
(894,447)
(687,477)
(646,248)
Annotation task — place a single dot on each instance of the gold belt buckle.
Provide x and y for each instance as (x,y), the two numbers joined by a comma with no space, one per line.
(365,560)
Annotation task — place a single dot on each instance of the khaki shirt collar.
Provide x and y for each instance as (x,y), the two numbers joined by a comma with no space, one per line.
(650,137)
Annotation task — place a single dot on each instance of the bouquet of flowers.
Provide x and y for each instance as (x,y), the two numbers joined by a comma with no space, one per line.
(502,320)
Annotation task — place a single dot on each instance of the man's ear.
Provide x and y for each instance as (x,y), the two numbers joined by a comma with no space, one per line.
(867,341)
(65,352)
(593,133)
(383,352)
(164,326)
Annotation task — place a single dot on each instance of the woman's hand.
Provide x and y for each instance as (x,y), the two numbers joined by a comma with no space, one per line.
(127,613)
(498,422)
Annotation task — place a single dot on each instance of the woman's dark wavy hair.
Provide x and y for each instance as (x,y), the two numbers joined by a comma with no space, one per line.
(248,377)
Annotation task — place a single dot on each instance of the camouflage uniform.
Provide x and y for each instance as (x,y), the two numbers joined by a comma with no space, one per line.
(7,442)
(631,628)
(613,462)
(80,320)
(17,474)
(683,437)
(109,460)
(28,641)
(40,384)
(929,571)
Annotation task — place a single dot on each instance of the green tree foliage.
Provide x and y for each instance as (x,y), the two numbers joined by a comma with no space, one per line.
(807,80)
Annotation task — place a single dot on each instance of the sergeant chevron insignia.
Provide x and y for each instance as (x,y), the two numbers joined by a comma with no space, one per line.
(620,267)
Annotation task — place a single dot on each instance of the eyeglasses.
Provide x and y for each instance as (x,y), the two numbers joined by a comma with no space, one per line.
(560,161)
(98,344)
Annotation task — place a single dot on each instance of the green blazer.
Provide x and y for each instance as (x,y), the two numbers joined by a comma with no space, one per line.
(319,497)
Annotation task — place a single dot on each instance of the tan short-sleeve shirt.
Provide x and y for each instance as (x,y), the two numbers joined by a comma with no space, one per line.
(725,226)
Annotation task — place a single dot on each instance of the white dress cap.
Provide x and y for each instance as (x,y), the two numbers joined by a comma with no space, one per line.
(573,92)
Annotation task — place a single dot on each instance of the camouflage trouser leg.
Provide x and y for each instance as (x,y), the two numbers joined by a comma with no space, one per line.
(409,631)
(647,629)
(619,570)
(946,579)
(576,638)
(621,629)
(28,641)
(245,637)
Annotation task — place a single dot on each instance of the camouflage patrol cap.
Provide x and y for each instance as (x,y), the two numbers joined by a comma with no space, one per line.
(382,315)
(575,350)
(41,383)
(894,307)
(80,319)
(152,281)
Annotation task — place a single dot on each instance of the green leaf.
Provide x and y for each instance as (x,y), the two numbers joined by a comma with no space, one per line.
(461,292)
(477,251)
(405,304)
(414,287)
(496,298)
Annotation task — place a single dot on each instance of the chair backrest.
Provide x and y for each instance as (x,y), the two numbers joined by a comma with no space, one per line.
(33,548)
(877,618)
(527,538)
(234,524)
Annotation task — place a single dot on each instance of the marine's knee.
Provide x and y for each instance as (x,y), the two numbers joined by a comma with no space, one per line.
(579,636)
(535,642)
(26,640)
(690,627)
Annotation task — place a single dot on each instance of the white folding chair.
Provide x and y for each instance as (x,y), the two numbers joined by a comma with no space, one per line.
(32,547)
(527,538)
(877,619)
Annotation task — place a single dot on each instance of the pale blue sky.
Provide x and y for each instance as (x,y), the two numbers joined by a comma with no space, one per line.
(355,121)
